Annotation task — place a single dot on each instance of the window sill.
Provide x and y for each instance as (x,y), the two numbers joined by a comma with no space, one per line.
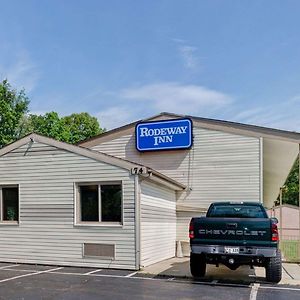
(114,225)
(9,223)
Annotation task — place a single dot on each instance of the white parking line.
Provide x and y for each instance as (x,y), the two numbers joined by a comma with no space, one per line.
(20,270)
(10,266)
(131,274)
(254,291)
(92,272)
(148,278)
(30,274)
(93,275)
(280,288)
(171,279)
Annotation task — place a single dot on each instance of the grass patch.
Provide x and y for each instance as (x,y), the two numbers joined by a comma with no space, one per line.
(290,250)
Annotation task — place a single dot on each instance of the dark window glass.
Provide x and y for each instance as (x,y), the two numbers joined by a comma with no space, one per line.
(10,204)
(111,199)
(89,201)
(237,211)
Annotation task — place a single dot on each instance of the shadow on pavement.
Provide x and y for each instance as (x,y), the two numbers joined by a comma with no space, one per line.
(243,275)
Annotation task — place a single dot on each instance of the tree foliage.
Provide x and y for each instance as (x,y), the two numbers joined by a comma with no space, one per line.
(71,129)
(13,107)
(49,125)
(290,193)
(80,127)
(15,121)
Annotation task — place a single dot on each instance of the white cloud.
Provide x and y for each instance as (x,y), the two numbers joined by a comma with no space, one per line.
(188,54)
(248,113)
(134,103)
(174,96)
(284,115)
(180,41)
(294,100)
(22,73)
(115,116)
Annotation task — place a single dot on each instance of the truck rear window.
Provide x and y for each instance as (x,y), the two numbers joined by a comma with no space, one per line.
(236,211)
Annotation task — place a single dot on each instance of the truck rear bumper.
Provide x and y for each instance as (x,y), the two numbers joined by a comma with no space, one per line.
(243,250)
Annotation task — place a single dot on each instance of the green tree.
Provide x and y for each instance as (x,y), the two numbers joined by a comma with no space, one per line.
(70,129)
(49,125)
(13,107)
(80,127)
(290,194)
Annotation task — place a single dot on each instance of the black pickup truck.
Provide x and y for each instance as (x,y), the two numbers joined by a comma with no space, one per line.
(235,234)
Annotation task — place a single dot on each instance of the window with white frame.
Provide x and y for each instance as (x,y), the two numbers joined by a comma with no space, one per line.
(99,202)
(9,204)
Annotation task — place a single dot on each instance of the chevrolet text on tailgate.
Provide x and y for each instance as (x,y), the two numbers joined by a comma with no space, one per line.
(235,234)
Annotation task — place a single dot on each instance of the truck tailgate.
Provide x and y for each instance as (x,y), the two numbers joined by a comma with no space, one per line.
(232,231)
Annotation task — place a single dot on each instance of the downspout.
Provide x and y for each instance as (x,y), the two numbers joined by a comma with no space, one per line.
(137,222)
(280,214)
(261,170)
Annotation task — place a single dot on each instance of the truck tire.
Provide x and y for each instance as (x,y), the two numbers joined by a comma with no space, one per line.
(273,268)
(197,265)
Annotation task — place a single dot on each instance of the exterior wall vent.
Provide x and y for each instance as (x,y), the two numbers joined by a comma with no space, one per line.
(99,250)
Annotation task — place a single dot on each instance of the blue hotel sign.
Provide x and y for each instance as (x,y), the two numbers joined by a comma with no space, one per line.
(164,135)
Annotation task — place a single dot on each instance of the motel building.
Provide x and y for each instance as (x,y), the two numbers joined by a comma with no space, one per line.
(124,199)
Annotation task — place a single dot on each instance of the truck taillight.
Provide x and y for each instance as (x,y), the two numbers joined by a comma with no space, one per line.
(191,230)
(275,236)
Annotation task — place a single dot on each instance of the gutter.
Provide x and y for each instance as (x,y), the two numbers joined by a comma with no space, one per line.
(165,180)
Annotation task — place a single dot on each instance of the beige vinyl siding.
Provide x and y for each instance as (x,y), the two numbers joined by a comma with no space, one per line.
(220,166)
(46,233)
(158,223)
(183,219)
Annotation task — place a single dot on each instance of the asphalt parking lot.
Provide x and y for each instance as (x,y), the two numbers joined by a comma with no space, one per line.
(50,282)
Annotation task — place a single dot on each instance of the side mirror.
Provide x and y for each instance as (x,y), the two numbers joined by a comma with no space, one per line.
(274,220)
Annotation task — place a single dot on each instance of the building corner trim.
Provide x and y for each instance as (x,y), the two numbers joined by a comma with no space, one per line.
(261,170)
(137,221)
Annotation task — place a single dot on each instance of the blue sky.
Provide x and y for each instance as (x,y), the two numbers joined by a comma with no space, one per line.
(125,60)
